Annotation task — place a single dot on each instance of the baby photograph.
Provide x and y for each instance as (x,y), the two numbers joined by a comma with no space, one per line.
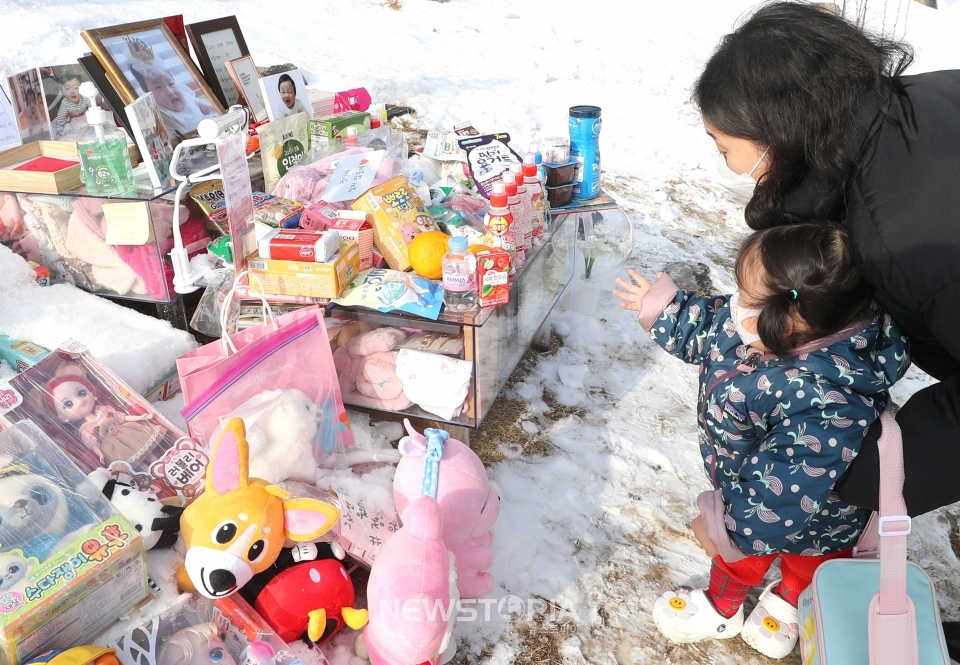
(286,94)
(66,108)
(26,94)
(150,64)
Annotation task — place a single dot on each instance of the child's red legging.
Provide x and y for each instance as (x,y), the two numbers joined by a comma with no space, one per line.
(730,582)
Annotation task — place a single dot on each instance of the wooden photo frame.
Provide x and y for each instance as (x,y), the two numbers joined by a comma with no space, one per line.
(215,43)
(246,79)
(146,57)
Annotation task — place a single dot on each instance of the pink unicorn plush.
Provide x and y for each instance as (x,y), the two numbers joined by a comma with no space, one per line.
(412,593)
(468,503)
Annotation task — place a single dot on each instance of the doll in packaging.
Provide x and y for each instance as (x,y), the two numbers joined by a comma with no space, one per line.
(101,423)
(111,434)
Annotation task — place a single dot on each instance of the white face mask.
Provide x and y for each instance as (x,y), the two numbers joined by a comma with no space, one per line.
(739,315)
(741,185)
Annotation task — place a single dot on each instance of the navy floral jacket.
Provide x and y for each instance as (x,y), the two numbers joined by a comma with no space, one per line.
(777,433)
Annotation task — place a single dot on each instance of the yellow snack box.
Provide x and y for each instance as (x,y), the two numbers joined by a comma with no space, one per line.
(398,215)
(312,280)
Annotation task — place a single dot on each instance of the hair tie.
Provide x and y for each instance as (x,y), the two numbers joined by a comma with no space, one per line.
(793,294)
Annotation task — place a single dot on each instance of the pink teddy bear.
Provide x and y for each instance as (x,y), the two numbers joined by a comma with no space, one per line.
(367,370)
(412,587)
(469,503)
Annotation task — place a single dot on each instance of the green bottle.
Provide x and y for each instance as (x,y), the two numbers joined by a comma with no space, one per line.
(102,148)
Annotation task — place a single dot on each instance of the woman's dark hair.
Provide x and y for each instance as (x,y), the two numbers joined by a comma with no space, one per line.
(807,268)
(285,79)
(790,79)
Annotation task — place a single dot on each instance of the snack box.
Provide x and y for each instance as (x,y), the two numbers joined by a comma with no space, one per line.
(276,212)
(148,449)
(299,245)
(82,563)
(353,225)
(20,354)
(197,630)
(493,277)
(399,216)
(166,387)
(318,216)
(313,280)
(324,130)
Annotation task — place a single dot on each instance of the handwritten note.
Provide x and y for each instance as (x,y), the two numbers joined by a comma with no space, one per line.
(238,196)
(363,530)
(9,134)
(128,223)
(246,74)
(221,48)
(354,175)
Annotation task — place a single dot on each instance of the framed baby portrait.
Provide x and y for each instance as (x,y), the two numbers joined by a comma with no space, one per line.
(216,43)
(146,57)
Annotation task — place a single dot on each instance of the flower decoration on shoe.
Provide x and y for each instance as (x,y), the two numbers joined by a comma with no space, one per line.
(676,604)
(771,627)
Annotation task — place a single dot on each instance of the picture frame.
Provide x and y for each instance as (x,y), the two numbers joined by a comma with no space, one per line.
(247,81)
(98,75)
(26,95)
(146,57)
(215,43)
(66,108)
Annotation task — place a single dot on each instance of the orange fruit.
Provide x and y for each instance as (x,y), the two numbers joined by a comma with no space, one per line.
(476,249)
(426,253)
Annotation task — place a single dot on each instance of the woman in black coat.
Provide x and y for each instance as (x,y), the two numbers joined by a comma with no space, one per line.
(815,121)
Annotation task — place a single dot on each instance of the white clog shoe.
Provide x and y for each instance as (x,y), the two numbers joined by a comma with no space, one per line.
(689,616)
(772,627)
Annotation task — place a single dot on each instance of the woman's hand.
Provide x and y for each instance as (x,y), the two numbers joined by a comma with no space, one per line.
(632,295)
(700,533)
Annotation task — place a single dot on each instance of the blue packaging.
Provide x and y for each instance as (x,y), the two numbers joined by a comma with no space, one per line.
(387,290)
(585,126)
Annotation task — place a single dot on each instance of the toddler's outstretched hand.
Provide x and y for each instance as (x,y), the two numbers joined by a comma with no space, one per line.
(633,294)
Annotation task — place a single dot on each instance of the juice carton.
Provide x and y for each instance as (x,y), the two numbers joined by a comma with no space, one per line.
(399,216)
(353,225)
(324,130)
(493,277)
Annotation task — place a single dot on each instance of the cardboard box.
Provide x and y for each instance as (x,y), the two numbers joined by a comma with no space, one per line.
(314,280)
(77,587)
(398,217)
(353,225)
(493,277)
(165,388)
(20,354)
(324,130)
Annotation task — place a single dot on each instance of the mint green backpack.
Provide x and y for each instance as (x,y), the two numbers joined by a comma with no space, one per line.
(876,608)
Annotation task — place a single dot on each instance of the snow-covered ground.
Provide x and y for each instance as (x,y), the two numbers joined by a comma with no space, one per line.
(597,526)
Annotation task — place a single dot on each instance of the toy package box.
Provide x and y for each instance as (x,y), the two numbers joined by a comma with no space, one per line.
(20,354)
(399,216)
(72,564)
(100,422)
(199,631)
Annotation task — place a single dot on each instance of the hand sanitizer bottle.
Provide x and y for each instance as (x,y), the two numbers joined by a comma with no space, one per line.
(102,148)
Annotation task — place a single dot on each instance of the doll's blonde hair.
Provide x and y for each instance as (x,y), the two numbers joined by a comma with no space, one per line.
(178,649)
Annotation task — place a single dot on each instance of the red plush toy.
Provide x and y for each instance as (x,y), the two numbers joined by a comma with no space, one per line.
(286,593)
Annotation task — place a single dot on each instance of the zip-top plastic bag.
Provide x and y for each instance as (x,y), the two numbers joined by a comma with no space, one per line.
(283,368)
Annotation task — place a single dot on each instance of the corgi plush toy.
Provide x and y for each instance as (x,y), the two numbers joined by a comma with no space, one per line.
(236,529)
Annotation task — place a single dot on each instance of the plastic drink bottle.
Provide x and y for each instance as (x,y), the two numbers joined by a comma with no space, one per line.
(459,276)
(585,126)
(538,197)
(528,209)
(102,149)
(534,149)
(499,222)
(521,218)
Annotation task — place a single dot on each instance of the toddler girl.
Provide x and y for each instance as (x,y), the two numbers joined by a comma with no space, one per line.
(795,367)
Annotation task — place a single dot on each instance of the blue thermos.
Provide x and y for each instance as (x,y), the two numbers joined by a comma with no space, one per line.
(585,148)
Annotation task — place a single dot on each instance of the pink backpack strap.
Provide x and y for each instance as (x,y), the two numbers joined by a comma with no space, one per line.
(892,620)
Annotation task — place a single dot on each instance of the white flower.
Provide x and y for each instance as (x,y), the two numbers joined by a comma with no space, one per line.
(771,627)
(676,605)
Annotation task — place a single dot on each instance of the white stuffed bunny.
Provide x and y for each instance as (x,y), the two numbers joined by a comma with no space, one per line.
(281,438)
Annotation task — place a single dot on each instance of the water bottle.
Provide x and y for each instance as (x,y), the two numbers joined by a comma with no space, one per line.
(585,148)
(459,276)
